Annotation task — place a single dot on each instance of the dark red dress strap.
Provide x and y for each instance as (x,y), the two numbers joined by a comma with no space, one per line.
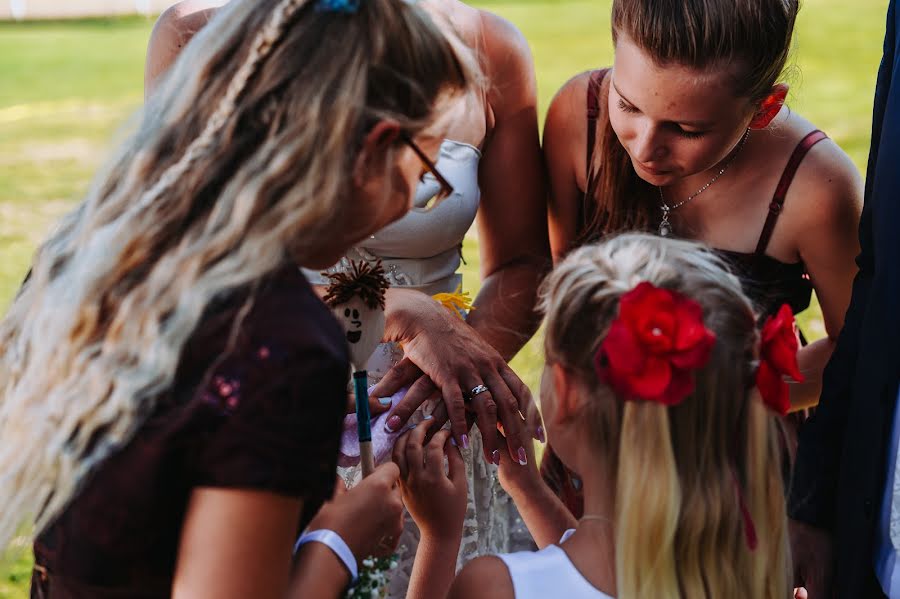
(784,184)
(593,113)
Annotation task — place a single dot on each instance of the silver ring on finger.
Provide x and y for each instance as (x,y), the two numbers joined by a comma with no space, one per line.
(476,391)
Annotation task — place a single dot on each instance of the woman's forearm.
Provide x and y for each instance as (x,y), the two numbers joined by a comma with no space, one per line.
(504,313)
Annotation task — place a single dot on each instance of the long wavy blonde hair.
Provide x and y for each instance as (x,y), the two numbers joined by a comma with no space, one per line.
(242,162)
(682,473)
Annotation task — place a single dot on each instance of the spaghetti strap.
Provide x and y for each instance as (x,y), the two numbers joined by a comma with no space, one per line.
(787,177)
(593,113)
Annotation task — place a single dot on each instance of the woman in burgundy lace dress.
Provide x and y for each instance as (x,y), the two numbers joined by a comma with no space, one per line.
(172,389)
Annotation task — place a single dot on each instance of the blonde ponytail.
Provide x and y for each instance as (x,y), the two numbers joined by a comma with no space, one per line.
(648,503)
(699,500)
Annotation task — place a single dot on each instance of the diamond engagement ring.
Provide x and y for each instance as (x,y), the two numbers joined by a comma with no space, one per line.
(476,390)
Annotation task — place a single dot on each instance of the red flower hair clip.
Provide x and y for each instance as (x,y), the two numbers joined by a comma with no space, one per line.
(777,359)
(654,345)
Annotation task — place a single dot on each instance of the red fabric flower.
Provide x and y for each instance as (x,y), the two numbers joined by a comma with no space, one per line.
(654,346)
(777,359)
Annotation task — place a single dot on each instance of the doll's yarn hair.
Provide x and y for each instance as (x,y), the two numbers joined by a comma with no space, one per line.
(363,280)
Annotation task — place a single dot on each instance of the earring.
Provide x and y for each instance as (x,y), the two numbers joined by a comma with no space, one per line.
(769,108)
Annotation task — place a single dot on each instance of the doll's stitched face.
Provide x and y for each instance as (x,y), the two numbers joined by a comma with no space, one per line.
(363,328)
(353,326)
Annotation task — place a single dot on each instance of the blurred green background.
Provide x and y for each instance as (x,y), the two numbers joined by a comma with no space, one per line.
(67,87)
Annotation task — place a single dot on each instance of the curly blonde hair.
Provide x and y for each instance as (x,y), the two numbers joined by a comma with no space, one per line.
(240,164)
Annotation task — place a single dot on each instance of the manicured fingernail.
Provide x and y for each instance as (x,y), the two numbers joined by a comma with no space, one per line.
(453,442)
(540,432)
(465,441)
(429,417)
(392,423)
(385,401)
(495,457)
(523,457)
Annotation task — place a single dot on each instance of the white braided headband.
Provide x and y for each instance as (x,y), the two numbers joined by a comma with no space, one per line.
(260,49)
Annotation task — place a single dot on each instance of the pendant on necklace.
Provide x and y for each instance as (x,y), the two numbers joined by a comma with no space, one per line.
(665,227)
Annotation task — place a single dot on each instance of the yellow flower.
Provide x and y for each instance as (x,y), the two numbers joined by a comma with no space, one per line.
(457,302)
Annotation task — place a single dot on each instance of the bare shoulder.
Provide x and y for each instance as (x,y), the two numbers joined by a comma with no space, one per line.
(507,63)
(827,184)
(178,23)
(504,42)
(485,576)
(568,109)
(173,30)
(565,128)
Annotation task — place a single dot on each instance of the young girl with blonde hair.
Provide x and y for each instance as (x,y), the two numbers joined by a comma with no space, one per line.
(653,354)
(171,389)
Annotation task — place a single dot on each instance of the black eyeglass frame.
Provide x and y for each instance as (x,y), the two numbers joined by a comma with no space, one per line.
(446,188)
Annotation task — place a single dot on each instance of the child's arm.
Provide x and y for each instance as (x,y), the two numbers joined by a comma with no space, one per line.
(545,515)
(436,500)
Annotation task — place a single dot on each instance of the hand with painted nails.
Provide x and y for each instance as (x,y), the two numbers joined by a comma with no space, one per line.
(518,476)
(382,439)
(434,494)
(446,358)
(377,406)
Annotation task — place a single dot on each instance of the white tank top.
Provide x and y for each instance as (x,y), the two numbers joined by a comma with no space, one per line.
(422,249)
(548,573)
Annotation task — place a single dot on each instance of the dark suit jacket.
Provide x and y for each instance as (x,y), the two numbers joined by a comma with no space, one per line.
(841,461)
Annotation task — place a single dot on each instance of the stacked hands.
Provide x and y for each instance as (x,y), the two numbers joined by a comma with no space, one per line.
(444,359)
(428,477)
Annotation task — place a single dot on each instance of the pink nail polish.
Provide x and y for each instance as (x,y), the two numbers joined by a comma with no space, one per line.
(465,441)
(523,457)
(392,424)
(495,457)
(540,432)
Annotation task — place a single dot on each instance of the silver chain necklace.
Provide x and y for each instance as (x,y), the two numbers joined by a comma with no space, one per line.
(665,227)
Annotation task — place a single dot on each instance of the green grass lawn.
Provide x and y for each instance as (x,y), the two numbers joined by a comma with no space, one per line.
(67,87)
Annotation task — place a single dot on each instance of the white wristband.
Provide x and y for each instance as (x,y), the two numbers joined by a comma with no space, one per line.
(334,542)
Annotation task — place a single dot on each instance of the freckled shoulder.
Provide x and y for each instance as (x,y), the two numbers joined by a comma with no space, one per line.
(826,193)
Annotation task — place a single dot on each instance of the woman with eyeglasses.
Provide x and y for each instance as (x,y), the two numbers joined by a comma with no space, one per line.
(172,390)
(489,170)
